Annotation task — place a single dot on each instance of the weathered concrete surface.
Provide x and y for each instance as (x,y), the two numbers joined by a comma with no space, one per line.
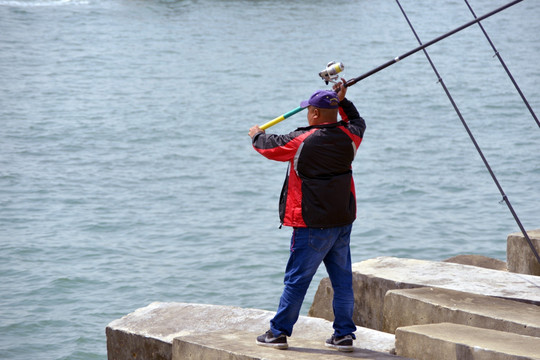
(478,260)
(519,255)
(432,305)
(123,345)
(148,332)
(373,278)
(459,342)
(239,345)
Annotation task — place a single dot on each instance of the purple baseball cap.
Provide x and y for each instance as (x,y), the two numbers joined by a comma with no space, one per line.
(325,99)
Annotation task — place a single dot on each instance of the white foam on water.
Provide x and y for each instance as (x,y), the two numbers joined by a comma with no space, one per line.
(43,3)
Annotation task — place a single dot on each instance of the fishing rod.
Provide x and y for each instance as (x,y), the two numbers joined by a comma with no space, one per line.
(280,118)
(504,66)
(391,62)
(429,43)
(458,112)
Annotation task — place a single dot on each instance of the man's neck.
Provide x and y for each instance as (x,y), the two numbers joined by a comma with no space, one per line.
(323,122)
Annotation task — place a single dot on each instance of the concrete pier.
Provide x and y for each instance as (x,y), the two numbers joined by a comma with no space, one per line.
(373,278)
(438,310)
(240,346)
(447,341)
(226,332)
(431,305)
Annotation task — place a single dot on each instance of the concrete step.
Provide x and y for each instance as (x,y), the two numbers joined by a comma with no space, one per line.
(148,333)
(373,278)
(432,305)
(447,341)
(238,345)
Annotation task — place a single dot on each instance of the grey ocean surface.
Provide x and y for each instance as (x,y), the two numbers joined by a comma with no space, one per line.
(127,175)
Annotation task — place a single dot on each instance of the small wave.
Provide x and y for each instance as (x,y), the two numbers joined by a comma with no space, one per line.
(42,3)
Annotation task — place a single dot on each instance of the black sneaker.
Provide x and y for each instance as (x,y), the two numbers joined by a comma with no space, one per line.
(268,339)
(341,343)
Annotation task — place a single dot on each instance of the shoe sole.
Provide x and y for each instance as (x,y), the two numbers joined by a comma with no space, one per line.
(343,348)
(272,345)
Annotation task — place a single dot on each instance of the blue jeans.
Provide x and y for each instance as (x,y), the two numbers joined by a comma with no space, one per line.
(310,247)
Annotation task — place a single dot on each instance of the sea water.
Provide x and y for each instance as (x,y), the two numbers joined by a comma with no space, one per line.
(127,175)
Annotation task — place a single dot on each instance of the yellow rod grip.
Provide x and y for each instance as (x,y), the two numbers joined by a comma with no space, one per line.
(272,122)
(280,118)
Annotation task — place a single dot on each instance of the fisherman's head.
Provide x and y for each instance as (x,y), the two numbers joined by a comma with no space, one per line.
(322,107)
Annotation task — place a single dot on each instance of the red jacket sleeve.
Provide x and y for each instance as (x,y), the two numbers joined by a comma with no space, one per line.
(279,147)
(350,115)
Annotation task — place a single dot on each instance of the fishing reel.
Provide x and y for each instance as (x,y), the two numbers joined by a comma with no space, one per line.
(330,74)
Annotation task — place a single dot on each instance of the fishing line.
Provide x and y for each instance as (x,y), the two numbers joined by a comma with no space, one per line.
(391,62)
(504,66)
(429,43)
(441,81)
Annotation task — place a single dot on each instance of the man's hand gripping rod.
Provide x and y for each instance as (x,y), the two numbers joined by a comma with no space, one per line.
(328,75)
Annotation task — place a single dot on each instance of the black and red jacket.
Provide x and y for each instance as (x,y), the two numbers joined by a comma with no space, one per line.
(319,187)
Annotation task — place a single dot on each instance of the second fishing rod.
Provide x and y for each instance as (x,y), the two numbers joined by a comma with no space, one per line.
(471,136)
(332,69)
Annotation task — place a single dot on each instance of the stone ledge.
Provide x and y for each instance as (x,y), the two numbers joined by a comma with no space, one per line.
(373,278)
(519,255)
(237,345)
(479,261)
(457,342)
(123,345)
(148,333)
(431,305)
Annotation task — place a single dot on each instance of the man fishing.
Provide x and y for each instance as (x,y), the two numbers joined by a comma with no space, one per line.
(318,200)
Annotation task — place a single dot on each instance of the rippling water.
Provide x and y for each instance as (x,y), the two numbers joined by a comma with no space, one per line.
(127,176)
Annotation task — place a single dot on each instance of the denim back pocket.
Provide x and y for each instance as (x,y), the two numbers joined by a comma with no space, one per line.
(321,240)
